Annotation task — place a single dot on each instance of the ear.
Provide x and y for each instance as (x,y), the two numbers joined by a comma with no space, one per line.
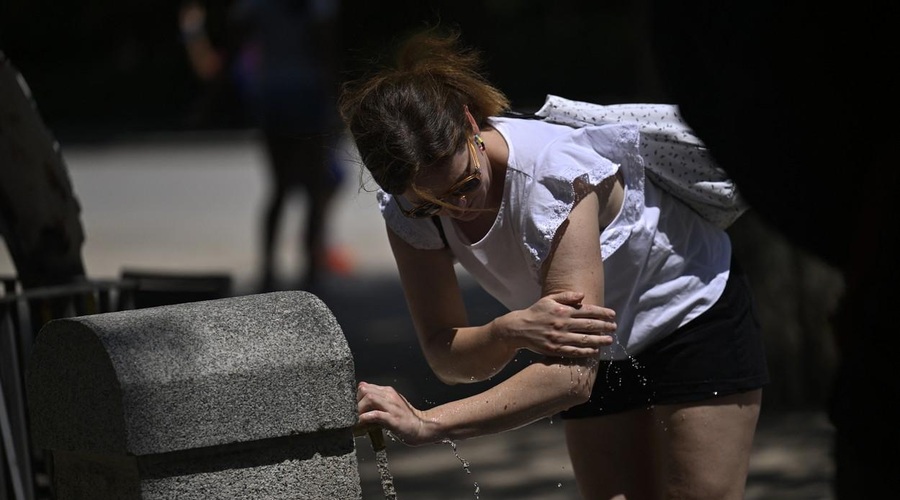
(472,122)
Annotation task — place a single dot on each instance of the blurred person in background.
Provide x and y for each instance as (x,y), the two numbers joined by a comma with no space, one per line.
(279,57)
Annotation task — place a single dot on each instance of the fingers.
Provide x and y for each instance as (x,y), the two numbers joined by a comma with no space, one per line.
(576,352)
(592,327)
(584,345)
(595,312)
(372,404)
(591,342)
(377,404)
(369,397)
(384,407)
(588,319)
(568,298)
(573,299)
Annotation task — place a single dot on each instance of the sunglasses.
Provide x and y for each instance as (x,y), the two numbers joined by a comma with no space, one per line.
(463,187)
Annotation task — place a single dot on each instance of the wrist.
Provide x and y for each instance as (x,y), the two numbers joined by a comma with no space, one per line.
(500,333)
(497,332)
(431,429)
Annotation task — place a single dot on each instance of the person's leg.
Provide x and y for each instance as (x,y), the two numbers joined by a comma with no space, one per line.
(705,446)
(314,153)
(271,220)
(684,451)
(279,162)
(612,456)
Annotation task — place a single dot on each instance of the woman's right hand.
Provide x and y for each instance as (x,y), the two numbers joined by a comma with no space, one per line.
(558,325)
(383,406)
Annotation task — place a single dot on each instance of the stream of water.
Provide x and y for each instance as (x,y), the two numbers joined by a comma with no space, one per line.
(376,436)
(387,480)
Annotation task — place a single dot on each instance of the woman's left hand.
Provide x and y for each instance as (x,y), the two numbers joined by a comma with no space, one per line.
(383,406)
(559,324)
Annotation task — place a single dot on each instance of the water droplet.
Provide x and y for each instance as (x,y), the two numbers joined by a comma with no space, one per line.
(462,461)
(392,436)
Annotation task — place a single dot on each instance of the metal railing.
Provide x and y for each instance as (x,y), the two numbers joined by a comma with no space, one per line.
(22,314)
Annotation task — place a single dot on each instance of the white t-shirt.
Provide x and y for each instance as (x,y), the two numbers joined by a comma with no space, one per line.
(663,264)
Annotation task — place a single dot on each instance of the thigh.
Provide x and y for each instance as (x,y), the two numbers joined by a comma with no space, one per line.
(706,445)
(692,450)
(612,455)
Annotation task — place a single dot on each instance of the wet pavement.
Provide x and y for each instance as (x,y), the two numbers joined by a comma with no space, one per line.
(190,204)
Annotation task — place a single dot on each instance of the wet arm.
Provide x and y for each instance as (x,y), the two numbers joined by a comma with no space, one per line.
(538,390)
(456,352)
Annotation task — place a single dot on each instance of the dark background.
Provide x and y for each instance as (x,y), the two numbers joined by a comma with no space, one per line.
(102,68)
(107,70)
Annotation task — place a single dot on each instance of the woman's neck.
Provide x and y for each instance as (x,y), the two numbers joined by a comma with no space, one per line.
(497,152)
(495,147)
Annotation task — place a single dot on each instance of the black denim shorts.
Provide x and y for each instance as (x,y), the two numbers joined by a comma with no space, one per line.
(718,353)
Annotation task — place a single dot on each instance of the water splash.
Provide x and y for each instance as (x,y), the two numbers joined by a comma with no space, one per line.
(465,464)
(463,461)
(616,375)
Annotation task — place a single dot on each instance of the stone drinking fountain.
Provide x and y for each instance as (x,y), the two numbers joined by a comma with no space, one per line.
(250,397)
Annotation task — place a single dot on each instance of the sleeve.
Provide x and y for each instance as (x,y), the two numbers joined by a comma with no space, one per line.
(588,156)
(420,233)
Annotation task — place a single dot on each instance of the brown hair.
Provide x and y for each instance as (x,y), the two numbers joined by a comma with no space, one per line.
(410,117)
